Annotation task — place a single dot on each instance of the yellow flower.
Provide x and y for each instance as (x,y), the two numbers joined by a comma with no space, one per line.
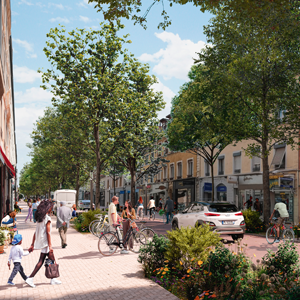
(254,255)
(200,262)
(189,270)
(180,262)
(166,261)
(166,269)
(193,259)
(205,272)
(163,273)
(209,274)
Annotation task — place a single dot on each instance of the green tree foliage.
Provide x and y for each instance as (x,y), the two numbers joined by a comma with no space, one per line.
(138,10)
(256,62)
(200,124)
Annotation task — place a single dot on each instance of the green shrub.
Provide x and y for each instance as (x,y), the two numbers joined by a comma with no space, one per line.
(190,243)
(152,255)
(293,293)
(252,220)
(89,216)
(284,261)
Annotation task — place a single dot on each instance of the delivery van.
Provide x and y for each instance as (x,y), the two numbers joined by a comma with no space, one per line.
(69,196)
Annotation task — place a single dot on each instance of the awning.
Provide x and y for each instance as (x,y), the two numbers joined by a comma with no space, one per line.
(278,157)
(6,161)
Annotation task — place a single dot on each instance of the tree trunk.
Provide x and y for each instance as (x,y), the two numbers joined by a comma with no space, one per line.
(114,179)
(132,186)
(98,167)
(77,186)
(91,192)
(266,190)
(212,183)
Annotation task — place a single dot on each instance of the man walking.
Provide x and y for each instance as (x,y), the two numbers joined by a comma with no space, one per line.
(64,215)
(170,207)
(113,217)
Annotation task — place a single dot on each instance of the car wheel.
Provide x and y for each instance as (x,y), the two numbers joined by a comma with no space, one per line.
(235,237)
(174,225)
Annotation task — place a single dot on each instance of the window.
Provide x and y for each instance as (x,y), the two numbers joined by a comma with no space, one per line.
(190,168)
(221,165)
(171,171)
(159,176)
(120,181)
(165,172)
(108,184)
(237,162)
(255,164)
(151,179)
(279,157)
(221,192)
(179,170)
(206,168)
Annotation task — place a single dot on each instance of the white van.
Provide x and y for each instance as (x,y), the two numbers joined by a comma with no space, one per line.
(69,196)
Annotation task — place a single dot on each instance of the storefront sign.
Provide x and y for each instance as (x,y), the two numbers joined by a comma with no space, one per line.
(221,188)
(139,187)
(232,179)
(250,179)
(122,192)
(207,187)
(286,182)
(275,176)
(273,183)
(148,186)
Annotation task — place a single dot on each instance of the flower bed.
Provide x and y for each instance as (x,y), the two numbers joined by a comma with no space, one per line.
(216,272)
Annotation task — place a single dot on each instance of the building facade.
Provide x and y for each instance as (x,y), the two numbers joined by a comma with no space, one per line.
(8,153)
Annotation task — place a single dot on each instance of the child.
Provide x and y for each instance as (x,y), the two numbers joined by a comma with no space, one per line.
(16,254)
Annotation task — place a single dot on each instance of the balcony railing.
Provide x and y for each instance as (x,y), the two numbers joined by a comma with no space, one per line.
(207,174)
(221,172)
(256,168)
(236,171)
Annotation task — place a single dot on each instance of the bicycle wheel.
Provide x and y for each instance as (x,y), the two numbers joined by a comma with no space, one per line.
(149,233)
(91,224)
(99,228)
(271,235)
(108,244)
(288,235)
(136,240)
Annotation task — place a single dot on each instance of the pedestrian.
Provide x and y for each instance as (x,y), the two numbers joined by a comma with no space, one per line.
(16,254)
(10,220)
(140,207)
(127,214)
(17,207)
(151,206)
(74,215)
(257,205)
(64,215)
(7,205)
(29,211)
(113,219)
(34,208)
(170,207)
(249,203)
(42,239)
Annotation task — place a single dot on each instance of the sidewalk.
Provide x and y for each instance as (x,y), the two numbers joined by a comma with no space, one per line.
(85,273)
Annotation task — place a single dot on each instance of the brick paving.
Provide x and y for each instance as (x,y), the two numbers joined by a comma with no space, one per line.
(85,273)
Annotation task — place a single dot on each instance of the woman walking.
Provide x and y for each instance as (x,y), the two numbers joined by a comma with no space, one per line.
(140,207)
(127,214)
(42,239)
(34,208)
(29,211)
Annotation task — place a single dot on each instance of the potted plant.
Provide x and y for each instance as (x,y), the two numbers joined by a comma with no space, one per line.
(2,241)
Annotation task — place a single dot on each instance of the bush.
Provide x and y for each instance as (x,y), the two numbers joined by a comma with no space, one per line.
(190,243)
(252,220)
(89,216)
(152,255)
(293,293)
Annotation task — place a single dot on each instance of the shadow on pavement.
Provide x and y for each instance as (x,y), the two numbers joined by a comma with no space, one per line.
(139,274)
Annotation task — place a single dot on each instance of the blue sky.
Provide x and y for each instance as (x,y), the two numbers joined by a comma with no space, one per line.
(169,53)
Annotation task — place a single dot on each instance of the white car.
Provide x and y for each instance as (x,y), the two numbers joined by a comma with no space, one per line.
(222,217)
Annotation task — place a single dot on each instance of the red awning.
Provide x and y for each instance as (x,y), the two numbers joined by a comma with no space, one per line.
(7,162)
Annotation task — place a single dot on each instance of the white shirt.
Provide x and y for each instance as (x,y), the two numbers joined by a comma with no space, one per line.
(281,207)
(41,240)
(152,203)
(16,253)
(112,210)
(34,205)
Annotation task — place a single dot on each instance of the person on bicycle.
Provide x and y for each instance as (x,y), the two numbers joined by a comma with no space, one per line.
(281,208)
(151,206)
(113,217)
(140,207)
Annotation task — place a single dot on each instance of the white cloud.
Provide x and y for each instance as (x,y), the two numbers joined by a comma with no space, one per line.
(84,19)
(34,95)
(59,19)
(168,94)
(176,59)
(27,46)
(59,6)
(25,75)
(14,13)
(25,2)
(84,3)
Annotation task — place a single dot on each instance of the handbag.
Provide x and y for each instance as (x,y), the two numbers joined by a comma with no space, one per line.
(52,270)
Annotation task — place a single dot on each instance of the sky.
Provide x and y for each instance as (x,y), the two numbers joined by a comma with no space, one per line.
(169,53)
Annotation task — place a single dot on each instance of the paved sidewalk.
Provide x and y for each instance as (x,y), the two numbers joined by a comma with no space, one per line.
(85,273)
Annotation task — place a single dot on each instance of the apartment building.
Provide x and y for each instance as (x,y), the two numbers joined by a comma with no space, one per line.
(8,154)
(238,177)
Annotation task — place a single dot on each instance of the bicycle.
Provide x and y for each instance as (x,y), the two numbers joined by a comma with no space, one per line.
(149,232)
(110,241)
(140,213)
(287,234)
(97,227)
(153,215)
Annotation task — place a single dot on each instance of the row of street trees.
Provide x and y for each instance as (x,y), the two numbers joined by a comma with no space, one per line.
(104,113)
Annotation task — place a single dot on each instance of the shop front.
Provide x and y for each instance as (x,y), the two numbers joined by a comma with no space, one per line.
(282,188)
(184,192)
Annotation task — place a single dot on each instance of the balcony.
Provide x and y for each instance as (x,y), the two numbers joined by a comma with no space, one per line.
(165,179)
(221,173)
(207,174)
(171,178)
(256,168)
(178,177)
(190,175)
(237,171)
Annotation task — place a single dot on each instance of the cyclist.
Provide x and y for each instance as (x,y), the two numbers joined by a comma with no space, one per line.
(151,205)
(281,208)
(140,207)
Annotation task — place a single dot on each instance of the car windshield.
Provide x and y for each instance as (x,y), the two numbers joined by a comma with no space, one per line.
(222,208)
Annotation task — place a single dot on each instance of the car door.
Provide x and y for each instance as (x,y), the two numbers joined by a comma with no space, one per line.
(191,216)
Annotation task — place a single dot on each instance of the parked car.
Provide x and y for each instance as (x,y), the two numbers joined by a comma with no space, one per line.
(223,218)
(84,204)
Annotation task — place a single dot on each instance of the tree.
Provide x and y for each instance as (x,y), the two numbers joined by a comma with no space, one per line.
(115,170)
(257,61)
(199,124)
(137,12)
